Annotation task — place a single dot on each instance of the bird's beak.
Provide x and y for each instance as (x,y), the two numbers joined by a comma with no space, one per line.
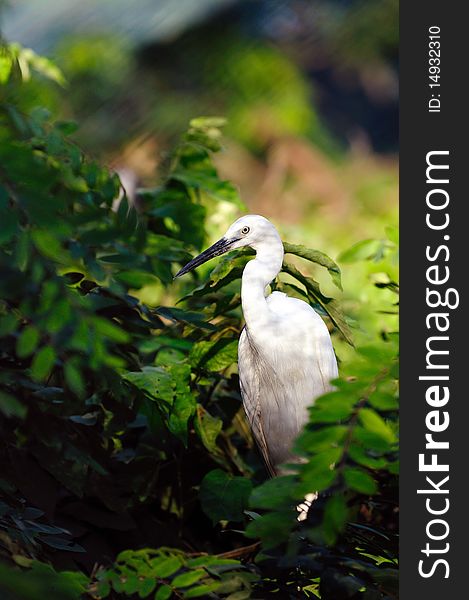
(218,248)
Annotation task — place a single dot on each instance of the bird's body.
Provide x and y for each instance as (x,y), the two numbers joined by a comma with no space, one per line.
(279,382)
(285,354)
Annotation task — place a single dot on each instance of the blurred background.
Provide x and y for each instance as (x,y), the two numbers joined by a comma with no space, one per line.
(309,89)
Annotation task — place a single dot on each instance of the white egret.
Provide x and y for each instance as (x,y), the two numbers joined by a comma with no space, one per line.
(285,355)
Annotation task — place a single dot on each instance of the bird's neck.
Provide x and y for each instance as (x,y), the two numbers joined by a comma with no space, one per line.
(257,275)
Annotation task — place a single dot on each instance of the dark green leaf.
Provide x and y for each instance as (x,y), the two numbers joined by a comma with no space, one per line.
(27,341)
(42,363)
(10,406)
(275,493)
(224,497)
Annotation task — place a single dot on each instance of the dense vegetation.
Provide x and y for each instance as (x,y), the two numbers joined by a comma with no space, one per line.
(127,467)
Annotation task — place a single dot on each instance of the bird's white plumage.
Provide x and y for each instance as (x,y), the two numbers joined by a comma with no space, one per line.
(282,372)
(285,356)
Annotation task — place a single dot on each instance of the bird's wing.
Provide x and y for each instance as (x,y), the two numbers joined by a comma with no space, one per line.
(282,370)
(250,386)
(309,346)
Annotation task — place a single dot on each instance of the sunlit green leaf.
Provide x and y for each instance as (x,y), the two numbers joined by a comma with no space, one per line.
(317,257)
(207,427)
(166,567)
(6,64)
(366,249)
(375,424)
(187,579)
(360,481)
(216,355)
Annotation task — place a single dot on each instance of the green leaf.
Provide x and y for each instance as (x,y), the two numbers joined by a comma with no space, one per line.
(42,363)
(212,561)
(167,567)
(240,595)
(335,516)
(41,580)
(320,439)
(9,221)
(333,407)
(8,324)
(275,493)
(374,423)
(42,65)
(171,385)
(61,544)
(153,381)
(214,355)
(383,401)
(317,257)
(110,330)
(131,584)
(360,481)
(207,428)
(49,246)
(103,589)
(146,587)
(371,440)
(378,353)
(6,64)
(231,265)
(223,496)
(187,579)
(319,472)
(27,341)
(363,457)
(208,122)
(272,528)
(184,403)
(74,378)
(136,279)
(392,233)
(10,406)
(201,591)
(163,592)
(185,316)
(21,254)
(364,250)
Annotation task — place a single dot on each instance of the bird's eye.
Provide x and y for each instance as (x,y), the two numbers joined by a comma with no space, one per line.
(245,230)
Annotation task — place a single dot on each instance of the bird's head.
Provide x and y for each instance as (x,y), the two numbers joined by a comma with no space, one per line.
(250,230)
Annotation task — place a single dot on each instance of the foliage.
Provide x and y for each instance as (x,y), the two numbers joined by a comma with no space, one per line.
(161,573)
(123,439)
